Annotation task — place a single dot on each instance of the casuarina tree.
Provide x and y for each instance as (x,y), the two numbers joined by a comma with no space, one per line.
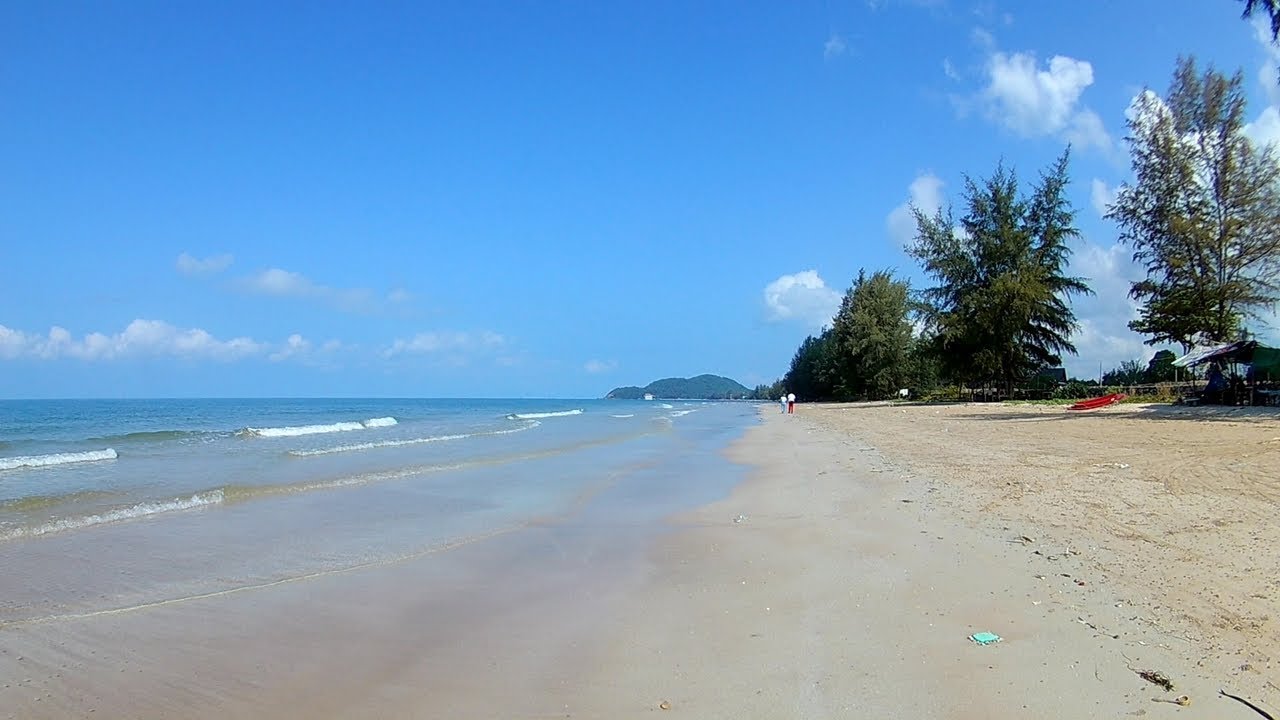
(1202,213)
(1000,310)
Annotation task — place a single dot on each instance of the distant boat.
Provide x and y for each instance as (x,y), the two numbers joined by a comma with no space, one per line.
(648,396)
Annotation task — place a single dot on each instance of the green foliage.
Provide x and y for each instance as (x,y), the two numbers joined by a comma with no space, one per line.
(701,387)
(924,370)
(813,368)
(1203,215)
(1130,372)
(767,392)
(999,311)
(873,337)
(629,392)
(1075,389)
(1160,368)
(1270,7)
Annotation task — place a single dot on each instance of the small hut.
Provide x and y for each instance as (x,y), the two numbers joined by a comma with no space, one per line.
(1256,385)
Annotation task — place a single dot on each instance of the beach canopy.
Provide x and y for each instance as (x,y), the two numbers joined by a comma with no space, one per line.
(1241,351)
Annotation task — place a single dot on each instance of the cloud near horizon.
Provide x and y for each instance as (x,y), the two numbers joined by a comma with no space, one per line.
(596,367)
(141,338)
(1104,338)
(429,343)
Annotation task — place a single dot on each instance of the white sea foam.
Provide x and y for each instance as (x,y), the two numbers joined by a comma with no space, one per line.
(622,416)
(297,430)
(126,513)
(11,463)
(534,416)
(379,444)
(529,425)
(680,413)
(666,406)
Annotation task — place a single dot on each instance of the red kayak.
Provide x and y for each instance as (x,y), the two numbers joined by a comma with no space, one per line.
(1095,403)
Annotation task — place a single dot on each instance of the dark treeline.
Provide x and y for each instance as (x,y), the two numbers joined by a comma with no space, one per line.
(1202,216)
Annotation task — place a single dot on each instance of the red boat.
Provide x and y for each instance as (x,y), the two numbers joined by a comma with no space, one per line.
(1095,403)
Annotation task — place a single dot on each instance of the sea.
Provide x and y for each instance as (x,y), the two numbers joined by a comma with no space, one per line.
(108,505)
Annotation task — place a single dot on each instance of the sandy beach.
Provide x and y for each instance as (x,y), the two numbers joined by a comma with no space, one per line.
(873,539)
(841,579)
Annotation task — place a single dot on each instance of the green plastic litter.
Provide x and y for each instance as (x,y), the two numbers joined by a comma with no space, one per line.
(985,638)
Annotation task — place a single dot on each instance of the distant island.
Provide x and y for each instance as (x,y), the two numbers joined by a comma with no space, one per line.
(702,387)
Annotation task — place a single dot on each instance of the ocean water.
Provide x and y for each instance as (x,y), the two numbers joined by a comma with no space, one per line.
(116,504)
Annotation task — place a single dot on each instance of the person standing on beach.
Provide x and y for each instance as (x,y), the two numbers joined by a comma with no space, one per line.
(782,402)
(791,403)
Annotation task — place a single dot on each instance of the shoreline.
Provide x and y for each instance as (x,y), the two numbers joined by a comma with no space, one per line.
(841,577)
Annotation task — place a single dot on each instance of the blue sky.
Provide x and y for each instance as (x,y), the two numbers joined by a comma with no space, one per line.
(529,199)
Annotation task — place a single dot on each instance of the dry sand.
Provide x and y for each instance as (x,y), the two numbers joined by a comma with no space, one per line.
(877,537)
(840,581)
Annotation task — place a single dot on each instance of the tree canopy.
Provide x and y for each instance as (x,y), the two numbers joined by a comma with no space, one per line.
(1270,7)
(1000,309)
(1203,212)
(873,336)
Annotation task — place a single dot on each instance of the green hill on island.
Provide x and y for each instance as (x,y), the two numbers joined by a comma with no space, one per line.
(702,387)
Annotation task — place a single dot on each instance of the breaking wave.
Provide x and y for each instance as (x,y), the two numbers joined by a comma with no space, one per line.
(622,416)
(131,512)
(536,416)
(297,430)
(21,461)
(411,441)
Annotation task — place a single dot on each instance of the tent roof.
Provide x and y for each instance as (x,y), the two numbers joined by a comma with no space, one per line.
(1239,351)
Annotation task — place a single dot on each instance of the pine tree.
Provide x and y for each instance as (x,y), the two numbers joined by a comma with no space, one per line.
(873,336)
(1000,310)
(1203,213)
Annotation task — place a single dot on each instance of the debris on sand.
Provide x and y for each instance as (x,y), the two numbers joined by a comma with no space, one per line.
(1155,677)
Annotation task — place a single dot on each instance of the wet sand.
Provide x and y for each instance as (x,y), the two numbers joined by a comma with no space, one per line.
(840,580)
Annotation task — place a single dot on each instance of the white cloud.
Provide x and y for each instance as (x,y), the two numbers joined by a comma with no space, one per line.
(1086,129)
(1101,196)
(141,338)
(190,265)
(803,297)
(949,69)
(294,345)
(427,343)
(596,367)
(1035,102)
(398,296)
(924,193)
(1266,129)
(284,283)
(834,47)
(1269,70)
(1104,337)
